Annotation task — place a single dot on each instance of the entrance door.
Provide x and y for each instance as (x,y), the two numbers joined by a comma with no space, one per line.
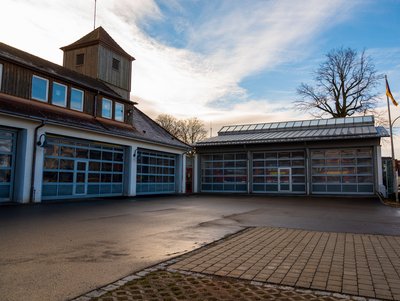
(80,177)
(285,179)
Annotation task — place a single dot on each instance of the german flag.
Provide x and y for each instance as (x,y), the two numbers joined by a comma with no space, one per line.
(389,94)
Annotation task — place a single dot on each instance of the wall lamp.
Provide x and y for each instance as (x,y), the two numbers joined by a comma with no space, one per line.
(42,141)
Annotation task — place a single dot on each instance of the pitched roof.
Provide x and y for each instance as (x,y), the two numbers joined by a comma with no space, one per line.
(36,63)
(98,36)
(142,129)
(292,131)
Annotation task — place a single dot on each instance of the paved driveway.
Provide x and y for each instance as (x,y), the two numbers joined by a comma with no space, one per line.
(59,251)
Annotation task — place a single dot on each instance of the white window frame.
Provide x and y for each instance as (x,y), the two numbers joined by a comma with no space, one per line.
(65,95)
(1,75)
(82,99)
(47,89)
(111,108)
(122,119)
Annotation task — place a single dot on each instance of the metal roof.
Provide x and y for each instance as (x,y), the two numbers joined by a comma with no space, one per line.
(315,123)
(290,131)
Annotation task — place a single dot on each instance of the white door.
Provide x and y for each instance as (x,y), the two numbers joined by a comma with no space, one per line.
(285,179)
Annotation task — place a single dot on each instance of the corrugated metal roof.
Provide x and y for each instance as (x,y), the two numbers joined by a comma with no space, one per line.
(307,130)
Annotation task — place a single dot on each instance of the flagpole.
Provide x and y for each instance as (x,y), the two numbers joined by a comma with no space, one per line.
(94,17)
(395,185)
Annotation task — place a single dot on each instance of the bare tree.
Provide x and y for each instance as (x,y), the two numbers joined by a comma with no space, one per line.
(192,130)
(170,123)
(188,130)
(344,85)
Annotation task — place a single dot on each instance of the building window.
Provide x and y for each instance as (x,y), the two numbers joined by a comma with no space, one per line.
(59,96)
(76,100)
(115,64)
(119,111)
(106,110)
(40,87)
(1,74)
(80,59)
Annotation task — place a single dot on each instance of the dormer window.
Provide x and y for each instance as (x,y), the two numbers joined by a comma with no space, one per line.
(80,58)
(76,100)
(59,96)
(115,64)
(119,112)
(106,108)
(40,87)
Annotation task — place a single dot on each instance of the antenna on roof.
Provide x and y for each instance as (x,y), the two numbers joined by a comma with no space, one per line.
(94,19)
(210,129)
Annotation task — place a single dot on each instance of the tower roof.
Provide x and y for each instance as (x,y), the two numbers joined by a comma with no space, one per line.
(98,36)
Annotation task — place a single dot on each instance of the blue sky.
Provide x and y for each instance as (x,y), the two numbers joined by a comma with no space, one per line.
(223,61)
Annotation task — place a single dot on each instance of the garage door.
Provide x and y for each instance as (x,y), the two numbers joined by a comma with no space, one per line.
(224,172)
(279,172)
(342,171)
(80,168)
(7,163)
(156,172)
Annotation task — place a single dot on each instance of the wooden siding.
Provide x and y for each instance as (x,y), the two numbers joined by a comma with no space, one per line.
(123,93)
(89,66)
(16,80)
(88,102)
(122,77)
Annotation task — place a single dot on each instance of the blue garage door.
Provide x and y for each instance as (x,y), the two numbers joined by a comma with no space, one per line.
(79,168)
(7,163)
(156,173)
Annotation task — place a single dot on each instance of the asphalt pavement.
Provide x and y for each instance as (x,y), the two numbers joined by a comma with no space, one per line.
(59,251)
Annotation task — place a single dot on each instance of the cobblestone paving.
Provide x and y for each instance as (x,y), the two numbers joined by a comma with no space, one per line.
(353,264)
(165,285)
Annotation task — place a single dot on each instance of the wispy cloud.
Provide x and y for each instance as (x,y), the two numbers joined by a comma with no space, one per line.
(227,43)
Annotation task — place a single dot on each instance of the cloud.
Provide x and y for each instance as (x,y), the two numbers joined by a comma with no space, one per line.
(228,42)
(235,41)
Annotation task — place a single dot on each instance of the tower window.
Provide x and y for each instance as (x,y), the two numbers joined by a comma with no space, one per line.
(80,58)
(115,64)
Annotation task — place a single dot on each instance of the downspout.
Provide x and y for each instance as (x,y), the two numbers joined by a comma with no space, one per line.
(32,192)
